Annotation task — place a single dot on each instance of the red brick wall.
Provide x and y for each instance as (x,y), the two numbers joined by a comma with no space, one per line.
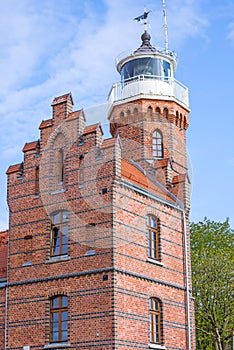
(107,237)
(2,316)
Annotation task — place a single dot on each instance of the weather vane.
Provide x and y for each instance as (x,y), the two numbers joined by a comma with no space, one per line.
(143,18)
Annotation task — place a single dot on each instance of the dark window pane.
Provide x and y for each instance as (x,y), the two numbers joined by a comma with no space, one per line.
(65,230)
(64,249)
(64,335)
(151,328)
(65,216)
(65,239)
(64,316)
(55,336)
(55,317)
(55,327)
(56,218)
(153,224)
(55,303)
(56,250)
(64,301)
(64,326)
(155,306)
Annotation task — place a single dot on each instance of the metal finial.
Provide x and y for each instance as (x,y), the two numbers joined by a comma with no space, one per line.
(143,18)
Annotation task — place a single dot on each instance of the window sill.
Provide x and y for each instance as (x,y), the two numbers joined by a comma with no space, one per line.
(59,191)
(156,346)
(59,258)
(57,346)
(27,263)
(155,262)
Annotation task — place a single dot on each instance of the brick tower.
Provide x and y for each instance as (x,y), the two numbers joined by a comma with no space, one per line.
(98,242)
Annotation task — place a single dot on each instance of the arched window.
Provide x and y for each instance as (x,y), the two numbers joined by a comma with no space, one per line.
(157,143)
(59,233)
(153,237)
(165,113)
(158,113)
(177,118)
(122,118)
(150,111)
(155,315)
(135,112)
(59,319)
(181,120)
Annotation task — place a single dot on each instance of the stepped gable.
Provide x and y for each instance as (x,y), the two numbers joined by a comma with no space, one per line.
(14,168)
(92,128)
(29,146)
(46,124)
(62,98)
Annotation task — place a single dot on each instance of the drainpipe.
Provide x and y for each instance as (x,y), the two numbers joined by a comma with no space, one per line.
(6,301)
(187,280)
(6,306)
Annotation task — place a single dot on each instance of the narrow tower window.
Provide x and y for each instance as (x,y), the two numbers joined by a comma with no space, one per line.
(81,171)
(157,143)
(155,321)
(165,113)
(36,190)
(135,112)
(150,111)
(60,166)
(177,118)
(153,237)
(59,319)
(59,233)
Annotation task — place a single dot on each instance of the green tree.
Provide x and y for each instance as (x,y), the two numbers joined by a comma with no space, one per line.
(212,256)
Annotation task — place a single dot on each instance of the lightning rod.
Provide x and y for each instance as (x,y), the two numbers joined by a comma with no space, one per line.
(165,25)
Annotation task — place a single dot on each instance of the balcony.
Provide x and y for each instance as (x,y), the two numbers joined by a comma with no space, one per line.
(149,87)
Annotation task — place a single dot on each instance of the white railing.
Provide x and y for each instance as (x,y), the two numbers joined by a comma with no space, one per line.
(160,51)
(149,87)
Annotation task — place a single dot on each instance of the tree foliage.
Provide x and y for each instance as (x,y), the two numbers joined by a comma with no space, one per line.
(212,255)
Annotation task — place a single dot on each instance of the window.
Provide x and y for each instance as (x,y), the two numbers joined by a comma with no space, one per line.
(150,111)
(135,112)
(60,166)
(165,113)
(59,233)
(155,315)
(59,319)
(157,144)
(36,190)
(81,171)
(153,237)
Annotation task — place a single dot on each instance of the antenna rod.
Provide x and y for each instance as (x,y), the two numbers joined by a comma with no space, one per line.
(165,26)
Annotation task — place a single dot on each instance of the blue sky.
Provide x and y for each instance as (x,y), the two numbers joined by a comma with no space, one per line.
(50,47)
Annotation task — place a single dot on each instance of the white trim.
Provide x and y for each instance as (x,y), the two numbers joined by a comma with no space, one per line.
(156,346)
(154,261)
(59,191)
(57,345)
(54,259)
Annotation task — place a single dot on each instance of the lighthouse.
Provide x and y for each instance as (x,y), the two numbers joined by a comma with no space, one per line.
(98,243)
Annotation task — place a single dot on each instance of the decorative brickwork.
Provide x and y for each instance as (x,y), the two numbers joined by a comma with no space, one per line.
(98,244)
(106,273)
